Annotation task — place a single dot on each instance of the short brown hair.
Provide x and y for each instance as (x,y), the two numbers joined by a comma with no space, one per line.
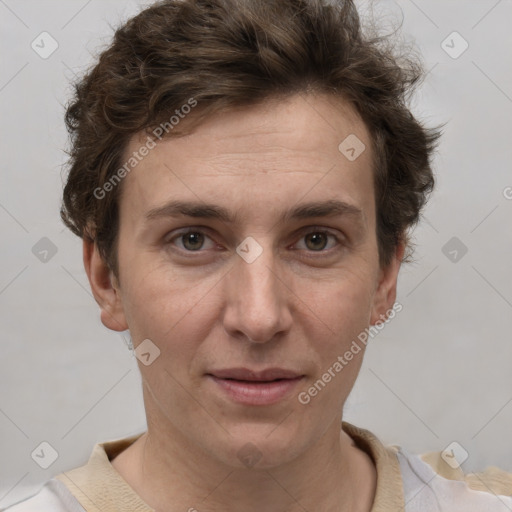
(235,53)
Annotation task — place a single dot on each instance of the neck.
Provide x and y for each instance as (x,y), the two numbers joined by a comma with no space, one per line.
(172,475)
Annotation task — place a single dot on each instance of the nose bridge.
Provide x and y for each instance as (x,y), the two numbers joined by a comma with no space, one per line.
(256,299)
(258,280)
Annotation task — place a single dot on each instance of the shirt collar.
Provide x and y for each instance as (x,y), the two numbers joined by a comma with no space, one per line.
(100,488)
(389,494)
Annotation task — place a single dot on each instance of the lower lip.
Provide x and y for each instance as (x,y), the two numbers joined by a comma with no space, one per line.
(256,393)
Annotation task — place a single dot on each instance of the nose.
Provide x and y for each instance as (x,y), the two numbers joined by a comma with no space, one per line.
(257,299)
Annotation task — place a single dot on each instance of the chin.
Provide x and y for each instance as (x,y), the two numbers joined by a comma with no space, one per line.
(262,446)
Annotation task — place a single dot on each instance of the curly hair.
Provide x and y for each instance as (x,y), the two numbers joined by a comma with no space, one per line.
(227,54)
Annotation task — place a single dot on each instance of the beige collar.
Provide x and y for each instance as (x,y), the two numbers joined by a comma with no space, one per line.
(100,488)
(389,495)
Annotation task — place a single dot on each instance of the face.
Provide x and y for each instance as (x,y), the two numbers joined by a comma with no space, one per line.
(249,246)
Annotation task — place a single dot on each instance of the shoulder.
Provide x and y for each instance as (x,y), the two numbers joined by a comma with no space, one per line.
(54,496)
(432,483)
(491,479)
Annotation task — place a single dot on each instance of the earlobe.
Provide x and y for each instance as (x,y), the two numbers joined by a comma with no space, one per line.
(104,287)
(385,294)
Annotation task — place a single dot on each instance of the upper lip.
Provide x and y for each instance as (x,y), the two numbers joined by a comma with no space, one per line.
(252,375)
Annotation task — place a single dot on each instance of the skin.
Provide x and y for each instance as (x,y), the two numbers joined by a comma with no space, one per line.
(298,306)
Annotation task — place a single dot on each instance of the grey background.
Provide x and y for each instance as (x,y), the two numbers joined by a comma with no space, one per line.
(439,372)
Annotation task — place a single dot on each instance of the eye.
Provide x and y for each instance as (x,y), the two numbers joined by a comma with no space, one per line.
(192,240)
(318,240)
(196,240)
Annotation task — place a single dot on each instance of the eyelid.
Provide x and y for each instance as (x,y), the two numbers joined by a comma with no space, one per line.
(340,239)
(181,232)
(301,233)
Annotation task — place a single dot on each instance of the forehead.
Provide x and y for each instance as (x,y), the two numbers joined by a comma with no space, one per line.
(277,151)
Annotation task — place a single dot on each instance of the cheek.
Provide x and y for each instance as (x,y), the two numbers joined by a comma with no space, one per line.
(345,308)
(344,304)
(171,308)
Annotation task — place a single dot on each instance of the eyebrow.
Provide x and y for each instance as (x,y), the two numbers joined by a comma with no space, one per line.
(329,208)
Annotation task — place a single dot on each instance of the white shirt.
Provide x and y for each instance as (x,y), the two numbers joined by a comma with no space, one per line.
(405,483)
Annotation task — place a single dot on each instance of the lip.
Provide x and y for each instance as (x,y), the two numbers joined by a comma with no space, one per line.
(252,375)
(251,387)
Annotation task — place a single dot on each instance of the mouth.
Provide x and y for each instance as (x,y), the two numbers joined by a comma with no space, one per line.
(250,387)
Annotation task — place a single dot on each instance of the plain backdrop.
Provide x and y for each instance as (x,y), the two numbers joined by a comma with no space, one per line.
(439,372)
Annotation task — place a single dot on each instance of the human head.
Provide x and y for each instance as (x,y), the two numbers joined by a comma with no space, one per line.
(271,89)
(223,54)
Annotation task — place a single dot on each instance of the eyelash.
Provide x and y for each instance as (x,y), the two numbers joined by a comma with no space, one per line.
(311,231)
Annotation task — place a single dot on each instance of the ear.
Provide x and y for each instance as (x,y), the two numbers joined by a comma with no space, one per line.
(104,287)
(385,293)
